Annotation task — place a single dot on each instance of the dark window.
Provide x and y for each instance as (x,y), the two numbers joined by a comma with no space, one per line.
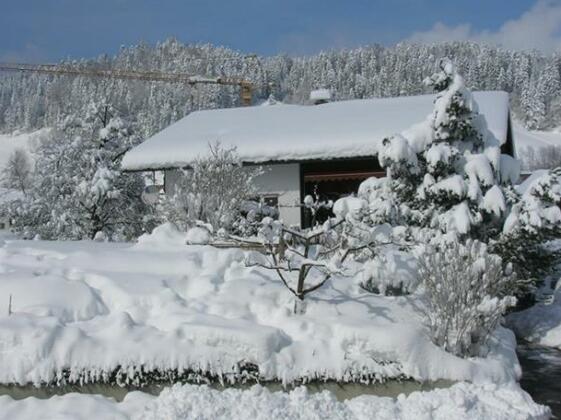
(333,179)
(271,200)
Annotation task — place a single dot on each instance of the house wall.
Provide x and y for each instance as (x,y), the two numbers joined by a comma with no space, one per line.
(282,180)
(171,176)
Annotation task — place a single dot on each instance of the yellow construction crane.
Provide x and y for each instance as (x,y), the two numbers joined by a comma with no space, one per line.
(246,87)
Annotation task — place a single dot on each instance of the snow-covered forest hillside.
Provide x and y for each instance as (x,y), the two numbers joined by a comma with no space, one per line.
(29,101)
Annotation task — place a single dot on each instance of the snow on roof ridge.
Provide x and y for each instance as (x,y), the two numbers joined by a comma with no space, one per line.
(287,132)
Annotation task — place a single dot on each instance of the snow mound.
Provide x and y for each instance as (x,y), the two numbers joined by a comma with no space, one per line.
(97,309)
(185,402)
(67,298)
(165,235)
(198,235)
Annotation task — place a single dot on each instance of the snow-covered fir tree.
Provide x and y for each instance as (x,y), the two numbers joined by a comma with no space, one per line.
(448,173)
(78,191)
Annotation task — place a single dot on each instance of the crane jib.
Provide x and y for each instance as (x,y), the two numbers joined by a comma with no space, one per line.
(246,87)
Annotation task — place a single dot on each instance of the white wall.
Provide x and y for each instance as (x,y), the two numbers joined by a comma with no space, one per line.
(282,180)
(171,177)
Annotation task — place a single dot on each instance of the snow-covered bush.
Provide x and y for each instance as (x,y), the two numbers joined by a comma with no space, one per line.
(390,272)
(383,255)
(198,235)
(252,213)
(213,190)
(78,189)
(466,291)
(316,210)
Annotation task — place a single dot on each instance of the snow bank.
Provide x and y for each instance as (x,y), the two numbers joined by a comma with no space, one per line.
(461,401)
(164,236)
(73,406)
(82,311)
(540,324)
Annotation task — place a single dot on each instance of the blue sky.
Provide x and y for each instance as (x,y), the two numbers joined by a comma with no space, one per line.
(48,30)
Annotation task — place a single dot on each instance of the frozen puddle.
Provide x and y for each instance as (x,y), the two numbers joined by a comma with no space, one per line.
(342,392)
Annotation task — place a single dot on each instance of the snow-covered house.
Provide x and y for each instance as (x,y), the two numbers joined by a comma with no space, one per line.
(328,148)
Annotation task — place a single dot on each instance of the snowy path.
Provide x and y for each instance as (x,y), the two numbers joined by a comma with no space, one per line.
(462,401)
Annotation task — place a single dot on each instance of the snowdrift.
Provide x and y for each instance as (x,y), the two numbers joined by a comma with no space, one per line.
(461,401)
(159,310)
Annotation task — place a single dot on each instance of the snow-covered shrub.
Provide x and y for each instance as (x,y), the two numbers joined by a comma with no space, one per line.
(213,190)
(391,272)
(316,210)
(78,189)
(384,262)
(252,214)
(198,235)
(466,292)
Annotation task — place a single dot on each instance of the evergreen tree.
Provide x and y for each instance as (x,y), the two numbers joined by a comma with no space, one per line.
(449,173)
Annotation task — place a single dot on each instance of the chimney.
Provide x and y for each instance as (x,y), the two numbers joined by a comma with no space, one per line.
(320,96)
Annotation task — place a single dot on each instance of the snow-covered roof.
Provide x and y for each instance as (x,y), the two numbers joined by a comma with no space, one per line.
(320,95)
(299,132)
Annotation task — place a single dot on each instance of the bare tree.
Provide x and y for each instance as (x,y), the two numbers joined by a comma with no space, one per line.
(17,174)
(306,260)
(213,190)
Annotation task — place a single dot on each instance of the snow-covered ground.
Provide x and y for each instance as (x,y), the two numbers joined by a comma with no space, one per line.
(461,401)
(525,140)
(81,310)
(540,324)
(533,138)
